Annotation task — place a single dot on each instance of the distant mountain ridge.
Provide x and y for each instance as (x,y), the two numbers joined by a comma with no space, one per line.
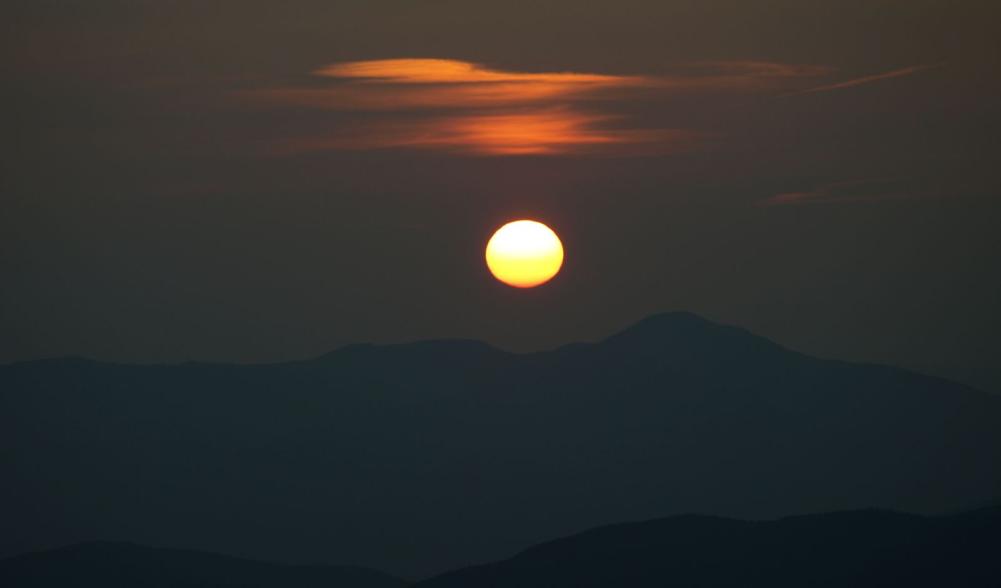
(855,549)
(421,457)
(851,549)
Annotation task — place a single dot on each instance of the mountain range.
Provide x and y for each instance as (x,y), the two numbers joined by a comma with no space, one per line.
(852,549)
(424,457)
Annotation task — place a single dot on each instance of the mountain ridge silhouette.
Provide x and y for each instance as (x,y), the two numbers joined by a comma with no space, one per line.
(858,549)
(651,328)
(424,456)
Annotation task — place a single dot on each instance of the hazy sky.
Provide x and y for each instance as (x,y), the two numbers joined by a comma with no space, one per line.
(252,181)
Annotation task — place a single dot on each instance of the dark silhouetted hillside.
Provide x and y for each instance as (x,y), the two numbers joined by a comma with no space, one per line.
(423,457)
(859,549)
(124,565)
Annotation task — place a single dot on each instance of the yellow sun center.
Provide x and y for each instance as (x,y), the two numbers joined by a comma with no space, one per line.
(524,254)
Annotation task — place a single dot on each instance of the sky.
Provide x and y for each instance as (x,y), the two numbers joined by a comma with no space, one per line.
(251,181)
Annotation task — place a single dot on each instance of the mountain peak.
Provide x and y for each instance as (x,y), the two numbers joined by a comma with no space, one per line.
(677,325)
(687,337)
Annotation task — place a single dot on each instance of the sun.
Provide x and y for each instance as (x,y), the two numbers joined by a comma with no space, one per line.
(524,254)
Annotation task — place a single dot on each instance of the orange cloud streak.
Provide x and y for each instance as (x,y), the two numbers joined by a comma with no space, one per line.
(450,71)
(387,98)
(850,191)
(897,73)
(495,120)
(543,132)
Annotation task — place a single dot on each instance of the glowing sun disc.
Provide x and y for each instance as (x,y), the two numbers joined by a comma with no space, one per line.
(524,254)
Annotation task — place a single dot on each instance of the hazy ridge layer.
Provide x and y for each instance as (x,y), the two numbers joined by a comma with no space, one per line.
(429,456)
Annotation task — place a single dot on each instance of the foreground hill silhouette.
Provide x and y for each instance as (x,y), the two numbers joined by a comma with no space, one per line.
(857,549)
(423,457)
(124,565)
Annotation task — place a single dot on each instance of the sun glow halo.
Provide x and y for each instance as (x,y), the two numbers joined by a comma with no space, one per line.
(524,254)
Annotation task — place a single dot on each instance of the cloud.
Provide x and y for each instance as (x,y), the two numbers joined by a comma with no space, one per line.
(413,84)
(896,73)
(850,191)
(546,131)
(366,97)
(737,75)
(450,71)
(499,112)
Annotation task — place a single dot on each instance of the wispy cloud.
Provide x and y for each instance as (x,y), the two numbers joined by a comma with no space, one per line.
(407,84)
(403,84)
(850,191)
(499,112)
(448,71)
(896,73)
(545,131)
